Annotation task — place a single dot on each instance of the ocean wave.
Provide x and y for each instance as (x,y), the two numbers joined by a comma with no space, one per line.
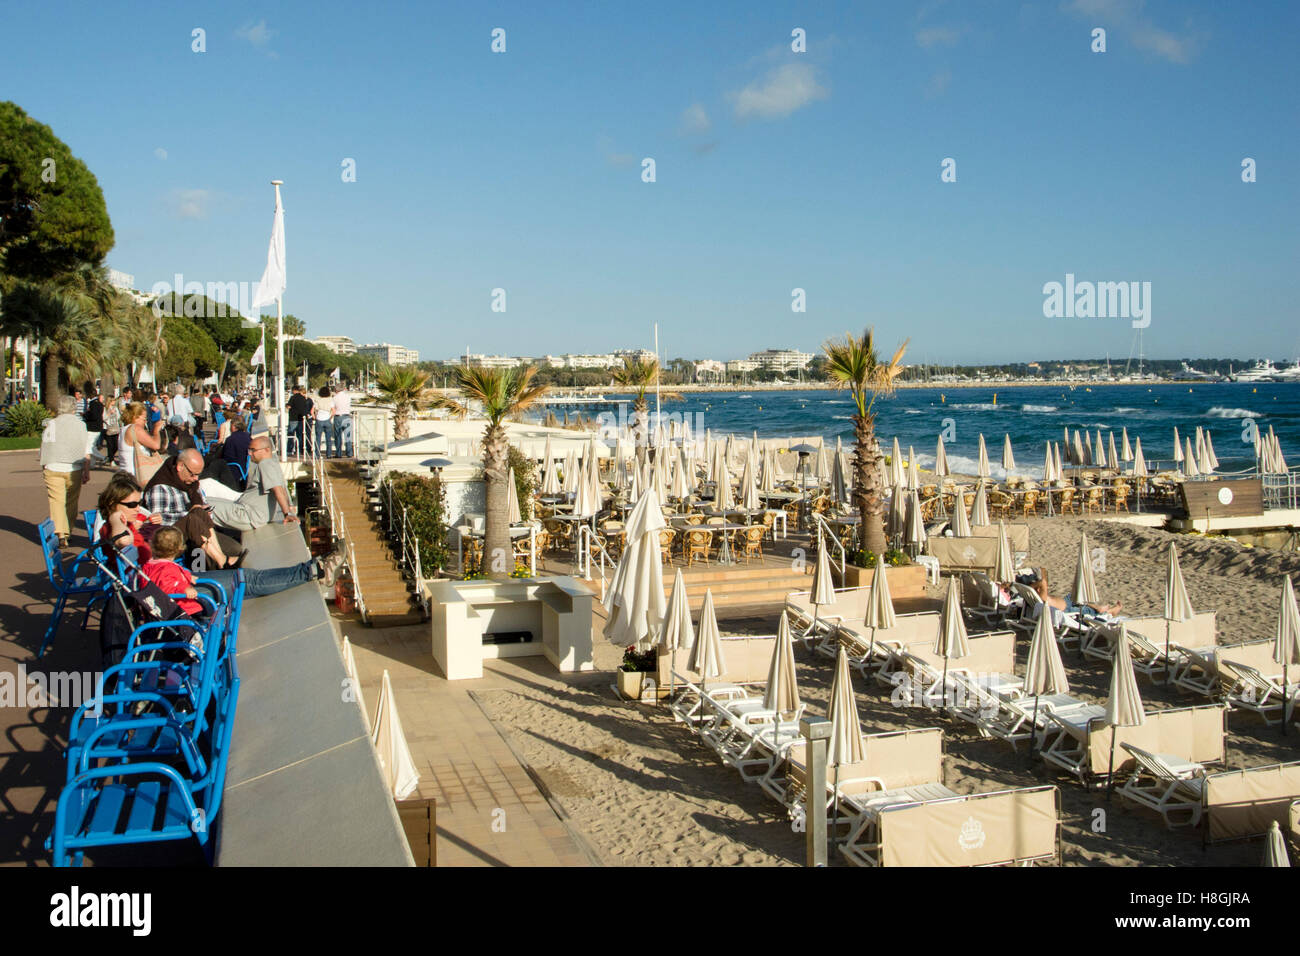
(1219,411)
(1128,411)
(1039,408)
(979,406)
(843,418)
(914,411)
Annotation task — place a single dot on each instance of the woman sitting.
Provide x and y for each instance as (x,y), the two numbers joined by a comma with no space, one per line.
(1067,604)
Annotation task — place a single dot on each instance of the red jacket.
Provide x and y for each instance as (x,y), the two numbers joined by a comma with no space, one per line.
(173,579)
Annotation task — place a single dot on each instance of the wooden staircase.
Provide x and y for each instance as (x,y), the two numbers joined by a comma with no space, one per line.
(759,585)
(388,596)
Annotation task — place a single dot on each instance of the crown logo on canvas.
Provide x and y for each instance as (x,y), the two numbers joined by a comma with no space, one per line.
(972,835)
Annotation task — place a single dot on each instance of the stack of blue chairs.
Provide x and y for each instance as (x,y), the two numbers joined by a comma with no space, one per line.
(146,759)
(69,578)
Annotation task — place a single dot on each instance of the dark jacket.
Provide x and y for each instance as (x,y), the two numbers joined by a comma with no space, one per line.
(95,415)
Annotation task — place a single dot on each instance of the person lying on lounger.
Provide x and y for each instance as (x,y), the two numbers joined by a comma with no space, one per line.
(1067,604)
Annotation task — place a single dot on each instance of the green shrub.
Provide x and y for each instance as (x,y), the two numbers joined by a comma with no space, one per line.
(426,516)
(524,481)
(24,420)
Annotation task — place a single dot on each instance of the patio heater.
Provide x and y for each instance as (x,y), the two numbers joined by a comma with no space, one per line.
(804,451)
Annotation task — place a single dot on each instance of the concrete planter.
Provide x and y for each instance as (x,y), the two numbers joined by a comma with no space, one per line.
(907,581)
(629,683)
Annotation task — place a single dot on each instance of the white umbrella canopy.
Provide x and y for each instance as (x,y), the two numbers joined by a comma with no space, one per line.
(660,473)
(1123,703)
(1087,446)
(1203,457)
(635,601)
(1190,468)
(823,588)
(767,474)
(1209,451)
(896,475)
(513,515)
(823,473)
(571,475)
(389,740)
(845,744)
(1069,449)
(1049,465)
(1275,847)
(749,486)
(1178,447)
(1008,456)
(839,485)
(678,631)
(897,523)
(635,486)
(984,459)
(781,695)
(941,459)
(550,480)
(1079,458)
(915,523)
(586,501)
(1060,469)
(952,643)
(723,500)
(880,604)
(1286,642)
(1112,456)
(1004,565)
(1044,671)
(1126,453)
(979,512)
(706,656)
(1139,462)
(960,523)
(1084,589)
(913,474)
(597,486)
(1099,457)
(681,486)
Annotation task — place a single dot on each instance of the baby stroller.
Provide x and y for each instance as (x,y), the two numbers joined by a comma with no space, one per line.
(132,599)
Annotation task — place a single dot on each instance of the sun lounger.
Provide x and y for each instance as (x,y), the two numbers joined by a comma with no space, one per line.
(1172,787)
(1148,658)
(1256,692)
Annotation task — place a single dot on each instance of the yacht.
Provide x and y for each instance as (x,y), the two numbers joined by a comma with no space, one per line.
(1262,371)
(1289,374)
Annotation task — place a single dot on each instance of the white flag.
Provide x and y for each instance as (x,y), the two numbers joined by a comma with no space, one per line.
(272,285)
(335,374)
(259,357)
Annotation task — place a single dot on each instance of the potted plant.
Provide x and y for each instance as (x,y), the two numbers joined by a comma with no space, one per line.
(631,673)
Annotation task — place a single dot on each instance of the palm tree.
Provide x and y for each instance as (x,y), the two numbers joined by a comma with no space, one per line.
(404,387)
(639,375)
(852,363)
(500,394)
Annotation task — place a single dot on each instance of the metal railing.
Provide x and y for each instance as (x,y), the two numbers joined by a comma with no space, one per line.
(820,521)
(584,555)
(1281,491)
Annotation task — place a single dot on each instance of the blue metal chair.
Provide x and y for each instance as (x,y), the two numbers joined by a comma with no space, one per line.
(128,801)
(68,578)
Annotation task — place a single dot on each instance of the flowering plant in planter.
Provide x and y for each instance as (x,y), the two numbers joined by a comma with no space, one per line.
(634,660)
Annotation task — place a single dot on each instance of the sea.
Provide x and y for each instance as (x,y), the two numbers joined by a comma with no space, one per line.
(1031,415)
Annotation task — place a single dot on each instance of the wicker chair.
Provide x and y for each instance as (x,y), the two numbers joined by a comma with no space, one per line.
(1094,501)
(1121,492)
(666,537)
(472,554)
(1068,504)
(751,542)
(1000,504)
(1029,503)
(698,543)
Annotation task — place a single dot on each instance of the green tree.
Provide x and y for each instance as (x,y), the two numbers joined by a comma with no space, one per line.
(52,212)
(404,388)
(191,353)
(501,394)
(852,363)
(639,375)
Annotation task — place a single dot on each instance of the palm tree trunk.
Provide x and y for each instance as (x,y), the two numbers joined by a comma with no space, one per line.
(50,387)
(497,554)
(866,486)
(641,427)
(401,421)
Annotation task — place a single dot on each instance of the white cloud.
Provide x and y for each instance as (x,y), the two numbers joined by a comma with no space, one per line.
(784,90)
(938,84)
(189,203)
(695,119)
(1126,18)
(160,153)
(258,34)
(932,37)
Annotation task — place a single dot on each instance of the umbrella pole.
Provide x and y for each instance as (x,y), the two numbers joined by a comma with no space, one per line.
(1110,771)
(943,686)
(1168,626)
(1033,731)
(1286,695)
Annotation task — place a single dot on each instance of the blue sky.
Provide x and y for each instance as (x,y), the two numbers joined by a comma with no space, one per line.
(774,170)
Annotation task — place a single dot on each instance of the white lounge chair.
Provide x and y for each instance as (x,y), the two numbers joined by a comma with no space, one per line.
(1172,787)
(1257,692)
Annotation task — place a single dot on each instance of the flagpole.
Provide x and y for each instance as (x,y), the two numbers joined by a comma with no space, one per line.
(281,414)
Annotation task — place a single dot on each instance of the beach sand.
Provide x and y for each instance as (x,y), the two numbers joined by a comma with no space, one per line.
(643,791)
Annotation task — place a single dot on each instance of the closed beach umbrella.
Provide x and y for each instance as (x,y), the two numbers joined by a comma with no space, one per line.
(898,512)
(678,631)
(839,485)
(1004,565)
(585,501)
(952,643)
(1286,643)
(680,488)
(550,480)
(1139,462)
(1099,458)
(915,523)
(1079,458)
(635,602)
(781,695)
(1049,465)
(1275,847)
(767,476)
(1069,449)
(941,460)
(1126,450)
(979,512)
(823,588)
(845,744)
(1190,467)
(1124,703)
(984,459)
(1178,447)
(1008,458)
(749,486)
(1209,451)
(1112,456)
(1084,590)
(1178,606)
(706,655)
(913,475)
(960,523)
(880,604)
(823,473)
(1060,464)
(389,740)
(1044,672)
(896,474)
(513,515)
(1087,447)
(1203,457)
(723,500)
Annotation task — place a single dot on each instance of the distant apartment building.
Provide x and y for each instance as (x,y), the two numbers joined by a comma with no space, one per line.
(569,360)
(636,355)
(741,366)
(709,369)
(121,280)
(391,354)
(338,343)
(491,361)
(782,360)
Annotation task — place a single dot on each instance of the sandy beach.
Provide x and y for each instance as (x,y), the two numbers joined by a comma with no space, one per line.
(643,791)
